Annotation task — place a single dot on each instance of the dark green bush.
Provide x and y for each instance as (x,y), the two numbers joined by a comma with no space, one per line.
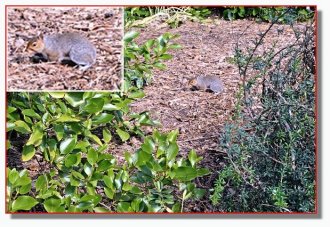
(267,14)
(270,143)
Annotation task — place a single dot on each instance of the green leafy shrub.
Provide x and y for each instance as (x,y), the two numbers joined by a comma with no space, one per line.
(175,16)
(141,60)
(267,14)
(270,143)
(72,132)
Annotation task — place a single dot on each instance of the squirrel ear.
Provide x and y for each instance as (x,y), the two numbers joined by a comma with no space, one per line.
(40,36)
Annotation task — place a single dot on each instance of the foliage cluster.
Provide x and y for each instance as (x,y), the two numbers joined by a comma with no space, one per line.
(138,16)
(267,14)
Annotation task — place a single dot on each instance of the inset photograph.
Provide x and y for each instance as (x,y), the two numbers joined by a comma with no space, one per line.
(64,48)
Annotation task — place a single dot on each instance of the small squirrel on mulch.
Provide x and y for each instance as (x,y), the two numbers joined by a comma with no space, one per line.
(207,83)
(63,47)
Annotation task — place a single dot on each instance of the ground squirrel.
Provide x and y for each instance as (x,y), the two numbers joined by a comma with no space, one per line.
(207,83)
(67,46)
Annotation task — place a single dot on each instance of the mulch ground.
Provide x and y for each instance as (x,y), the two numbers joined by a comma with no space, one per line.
(102,26)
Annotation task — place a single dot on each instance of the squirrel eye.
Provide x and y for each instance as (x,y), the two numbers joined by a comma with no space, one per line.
(34,44)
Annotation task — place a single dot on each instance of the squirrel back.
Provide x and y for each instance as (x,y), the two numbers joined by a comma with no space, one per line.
(67,46)
(206,83)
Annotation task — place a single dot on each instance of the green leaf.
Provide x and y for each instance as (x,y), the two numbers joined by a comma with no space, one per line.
(70,160)
(92,156)
(25,189)
(67,118)
(129,36)
(36,137)
(136,190)
(136,95)
(103,118)
(13,176)
(172,136)
(174,46)
(95,199)
(10,109)
(70,190)
(21,126)
(31,113)
(160,66)
(106,135)
(176,208)
(149,44)
(82,145)
(94,138)
(57,95)
(103,165)
(63,106)
(172,151)
(59,130)
(28,152)
(41,183)
(108,181)
(199,193)
(166,56)
(124,207)
(94,105)
(193,158)
(24,203)
(23,180)
(100,210)
(78,175)
(122,134)
(68,145)
(52,205)
(46,118)
(141,157)
(88,169)
(148,145)
(202,172)
(74,98)
(110,107)
(10,126)
(52,149)
(109,193)
(185,173)
(85,205)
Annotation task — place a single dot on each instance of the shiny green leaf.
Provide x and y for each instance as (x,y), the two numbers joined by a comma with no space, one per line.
(52,205)
(21,126)
(106,135)
(68,145)
(36,137)
(31,113)
(28,152)
(24,203)
(103,118)
(122,134)
(67,118)
(92,156)
(94,105)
